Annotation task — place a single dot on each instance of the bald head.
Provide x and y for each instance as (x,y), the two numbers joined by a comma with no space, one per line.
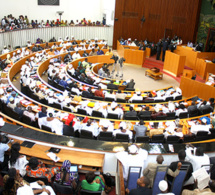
(143,181)
(160,159)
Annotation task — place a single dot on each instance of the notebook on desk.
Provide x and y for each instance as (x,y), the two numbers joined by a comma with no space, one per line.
(27,144)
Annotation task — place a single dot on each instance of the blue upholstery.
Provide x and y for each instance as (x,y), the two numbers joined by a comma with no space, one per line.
(133,175)
(160,175)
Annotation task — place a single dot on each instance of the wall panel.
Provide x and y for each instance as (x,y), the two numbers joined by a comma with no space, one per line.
(181,16)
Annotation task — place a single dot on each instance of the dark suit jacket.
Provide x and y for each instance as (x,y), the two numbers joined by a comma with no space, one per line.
(87,94)
(145,113)
(130,113)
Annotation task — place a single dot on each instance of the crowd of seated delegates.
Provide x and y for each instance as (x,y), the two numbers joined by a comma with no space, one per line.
(163,45)
(19,173)
(191,157)
(10,23)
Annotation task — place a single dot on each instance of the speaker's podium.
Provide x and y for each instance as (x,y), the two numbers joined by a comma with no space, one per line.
(174,63)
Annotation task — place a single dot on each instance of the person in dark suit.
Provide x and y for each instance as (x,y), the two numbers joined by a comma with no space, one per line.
(159,45)
(173,165)
(192,108)
(131,112)
(112,86)
(131,84)
(145,112)
(142,183)
(88,93)
(165,47)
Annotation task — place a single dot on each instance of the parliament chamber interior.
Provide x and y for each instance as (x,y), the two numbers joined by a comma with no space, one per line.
(113,97)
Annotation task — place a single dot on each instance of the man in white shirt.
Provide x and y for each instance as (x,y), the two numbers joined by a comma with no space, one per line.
(136,96)
(134,157)
(198,158)
(122,130)
(3,149)
(91,126)
(76,55)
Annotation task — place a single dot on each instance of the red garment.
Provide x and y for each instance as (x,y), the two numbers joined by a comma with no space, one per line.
(69,120)
(99,93)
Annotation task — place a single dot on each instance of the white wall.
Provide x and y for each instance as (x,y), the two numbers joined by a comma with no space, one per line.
(73,9)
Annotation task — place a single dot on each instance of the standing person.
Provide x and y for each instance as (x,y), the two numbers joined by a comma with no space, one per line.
(121,60)
(165,47)
(3,149)
(135,156)
(159,45)
(115,65)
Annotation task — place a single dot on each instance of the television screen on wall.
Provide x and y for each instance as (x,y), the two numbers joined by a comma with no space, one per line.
(48,2)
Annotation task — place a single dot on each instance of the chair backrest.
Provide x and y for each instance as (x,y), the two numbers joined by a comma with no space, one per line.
(169,99)
(63,189)
(55,105)
(105,136)
(202,133)
(189,138)
(33,179)
(26,119)
(98,98)
(109,99)
(160,174)
(178,181)
(149,101)
(131,118)
(206,111)
(172,139)
(121,100)
(161,117)
(170,115)
(157,139)
(208,167)
(66,109)
(179,97)
(45,128)
(142,139)
(81,111)
(86,192)
(137,101)
(67,130)
(183,115)
(122,137)
(212,161)
(86,134)
(112,116)
(159,100)
(145,117)
(60,87)
(133,175)
(193,113)
(97,114)
(130,89)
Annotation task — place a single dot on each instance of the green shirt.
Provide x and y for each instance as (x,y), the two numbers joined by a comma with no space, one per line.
(91,187)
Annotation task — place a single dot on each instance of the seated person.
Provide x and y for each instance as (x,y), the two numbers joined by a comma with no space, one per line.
(120,95)
(145,112)
(85,54)
(99,92)
(136,96)
(155,130)
(192,108)
(11,103)
(112,86)
(67,177)
(122,130)
(110,95)
(13,183)
(29,112)
(50,121)
(163,186)
(37,169)
(92,182)
(88,93)
(130,85)
(204,107)
(157,112)
(100,52)
(19,109)
(42,113)
(131,112)
(93,53)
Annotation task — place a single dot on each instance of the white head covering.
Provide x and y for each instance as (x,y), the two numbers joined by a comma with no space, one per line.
(132,149)
(123,125)
(204,120)
(163,185)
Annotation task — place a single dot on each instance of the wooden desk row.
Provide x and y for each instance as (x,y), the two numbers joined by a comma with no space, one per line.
(87,161)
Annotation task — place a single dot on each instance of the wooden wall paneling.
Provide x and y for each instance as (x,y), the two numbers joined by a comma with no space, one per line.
(180,16)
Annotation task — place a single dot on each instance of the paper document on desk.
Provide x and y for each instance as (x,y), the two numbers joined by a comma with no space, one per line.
(53,156)
(202,178)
